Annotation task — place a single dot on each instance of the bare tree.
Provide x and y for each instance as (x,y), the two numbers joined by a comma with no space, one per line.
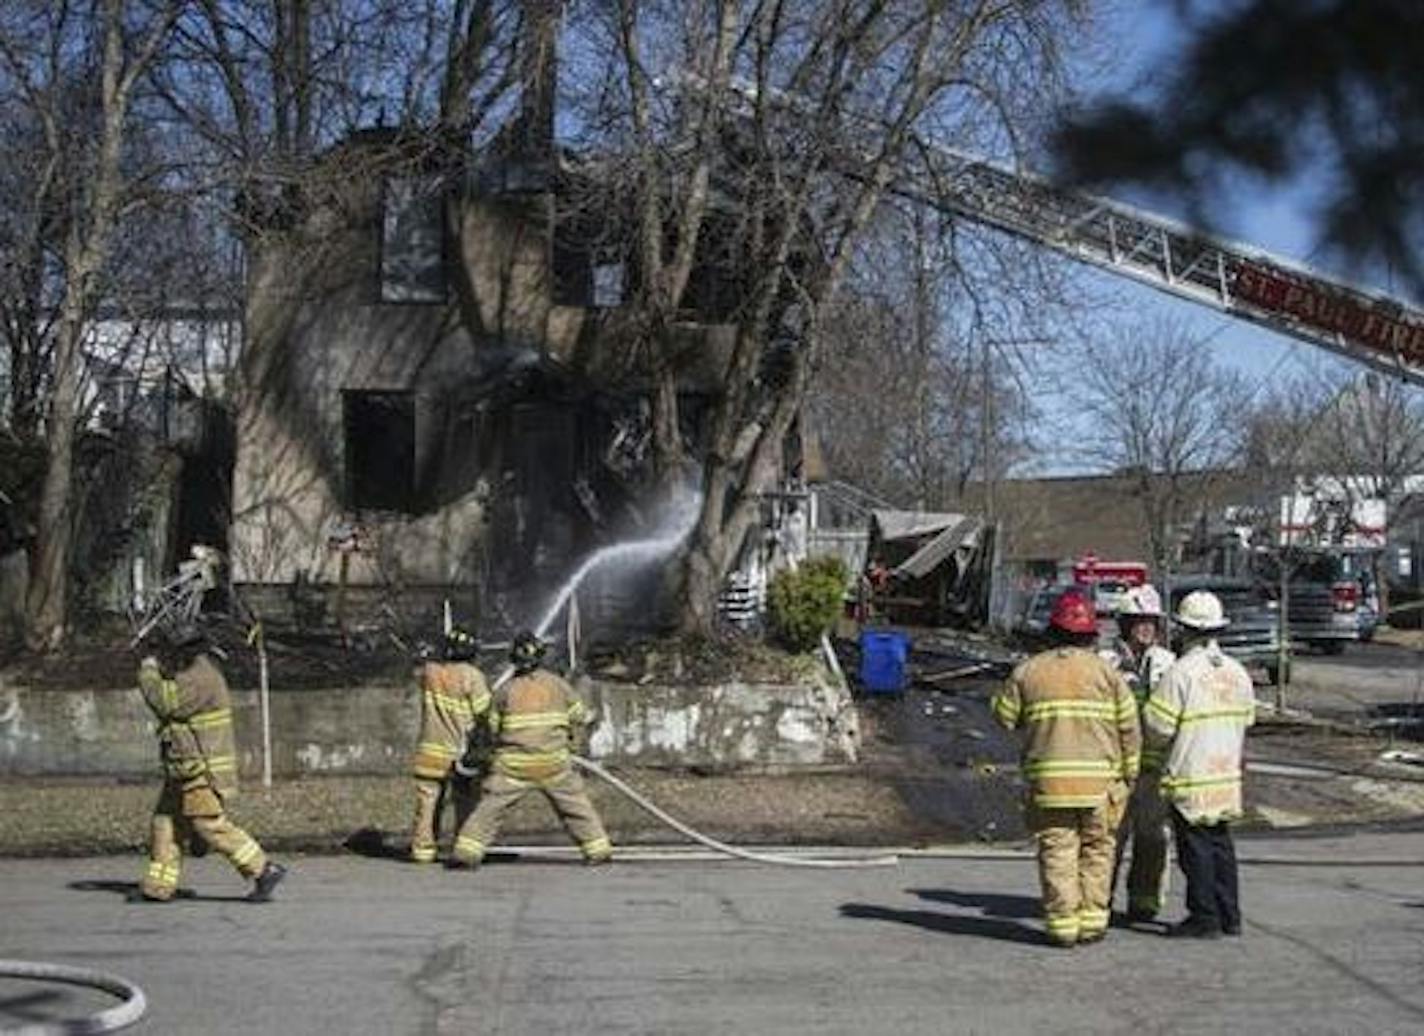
(1158,409)
(915,395)
(44,48)
(797,117)
(1366,434)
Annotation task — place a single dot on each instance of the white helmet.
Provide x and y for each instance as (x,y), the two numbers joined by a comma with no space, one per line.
(1201,610)
(1141,601)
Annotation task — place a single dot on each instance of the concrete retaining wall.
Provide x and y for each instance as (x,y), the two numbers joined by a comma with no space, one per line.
(371,730)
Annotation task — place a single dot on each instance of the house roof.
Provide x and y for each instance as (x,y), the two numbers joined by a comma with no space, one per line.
(1066,517)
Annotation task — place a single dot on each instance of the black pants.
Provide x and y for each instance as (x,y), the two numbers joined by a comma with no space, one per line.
(1208,860)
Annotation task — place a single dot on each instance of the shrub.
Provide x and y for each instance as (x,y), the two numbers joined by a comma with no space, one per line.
(804,602)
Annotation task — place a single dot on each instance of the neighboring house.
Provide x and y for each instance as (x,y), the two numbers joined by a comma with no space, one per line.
(436,390)
(1047,524)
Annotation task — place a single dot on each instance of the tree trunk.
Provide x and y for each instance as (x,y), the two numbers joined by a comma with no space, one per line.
(46,602)
(667,437)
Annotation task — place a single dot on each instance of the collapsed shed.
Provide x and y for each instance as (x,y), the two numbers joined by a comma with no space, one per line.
(940,564)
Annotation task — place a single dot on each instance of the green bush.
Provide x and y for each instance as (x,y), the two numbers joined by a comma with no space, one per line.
(803,603)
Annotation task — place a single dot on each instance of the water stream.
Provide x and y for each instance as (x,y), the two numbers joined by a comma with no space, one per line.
(679,518)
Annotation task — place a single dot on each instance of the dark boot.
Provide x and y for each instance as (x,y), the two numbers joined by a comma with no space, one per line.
(272,875)
(1195,928)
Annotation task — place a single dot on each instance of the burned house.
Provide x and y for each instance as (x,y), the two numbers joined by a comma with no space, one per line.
(436,394)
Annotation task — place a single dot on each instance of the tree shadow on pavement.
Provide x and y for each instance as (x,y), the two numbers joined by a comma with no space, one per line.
(129,890)
(949,924)
(991,904)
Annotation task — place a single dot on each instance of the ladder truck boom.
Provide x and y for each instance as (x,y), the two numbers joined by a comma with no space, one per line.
(1286,297)
(1252,284)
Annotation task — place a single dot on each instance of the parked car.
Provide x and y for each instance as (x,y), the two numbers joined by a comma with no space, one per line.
(1253,637)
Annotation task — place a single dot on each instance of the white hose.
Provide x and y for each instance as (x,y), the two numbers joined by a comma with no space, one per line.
(723,847)
(110,1020)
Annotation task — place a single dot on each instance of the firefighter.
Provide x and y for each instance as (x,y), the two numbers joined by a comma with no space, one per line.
(535,719)
(1081,743)
(1142,661)
(189,697)
(1196,718)
(453,693)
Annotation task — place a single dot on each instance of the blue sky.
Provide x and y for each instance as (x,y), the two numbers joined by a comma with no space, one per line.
(1140,39)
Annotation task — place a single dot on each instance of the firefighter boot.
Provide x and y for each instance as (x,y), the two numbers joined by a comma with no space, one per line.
(265,882)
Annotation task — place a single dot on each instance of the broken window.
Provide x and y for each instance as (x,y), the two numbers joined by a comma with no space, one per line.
(412,264)
(380,450)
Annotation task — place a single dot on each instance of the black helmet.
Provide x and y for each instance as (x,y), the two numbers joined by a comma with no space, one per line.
(527,651)
(460,646)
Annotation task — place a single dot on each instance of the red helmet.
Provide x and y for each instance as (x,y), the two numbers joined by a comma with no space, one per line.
(1073,612)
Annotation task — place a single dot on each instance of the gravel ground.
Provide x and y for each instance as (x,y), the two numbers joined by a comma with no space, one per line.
(83,817)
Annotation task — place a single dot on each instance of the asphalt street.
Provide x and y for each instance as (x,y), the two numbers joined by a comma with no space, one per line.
(931,946)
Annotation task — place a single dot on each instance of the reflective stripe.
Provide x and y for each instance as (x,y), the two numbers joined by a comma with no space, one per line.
(1186,783)
(1067,925)
(170,696)
(162,875)
(1069,801)
(597,847)
(463,706)
(249,851)
(516,760)
(535,720)
(1245,714)
(1162,710)
(1069,768)
(223,764)
(577,712)
(1074,709)
(435,748)
(468,848)
(210,720)
(1091,918)
(1006,711)
(424,854)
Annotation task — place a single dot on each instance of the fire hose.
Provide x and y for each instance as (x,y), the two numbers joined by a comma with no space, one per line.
(722,847)
(463,767)
(111,1019)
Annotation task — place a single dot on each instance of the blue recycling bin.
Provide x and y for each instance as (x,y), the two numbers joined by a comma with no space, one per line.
(883,654)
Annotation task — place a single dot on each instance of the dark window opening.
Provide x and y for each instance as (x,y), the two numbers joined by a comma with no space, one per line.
(380,450)
(412,264)
(587,276)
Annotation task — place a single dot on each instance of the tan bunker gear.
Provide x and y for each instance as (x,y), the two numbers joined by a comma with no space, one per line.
(536,718)
(199,758)
(452,696)
(1081,745)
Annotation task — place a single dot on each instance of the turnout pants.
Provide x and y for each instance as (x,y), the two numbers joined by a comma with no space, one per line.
(1075,862)
(500,793)
(1148,826)
(179,815)
(1208,859)
(430,798)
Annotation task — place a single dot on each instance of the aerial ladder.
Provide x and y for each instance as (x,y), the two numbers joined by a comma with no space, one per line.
(1284,296)
(1287,297)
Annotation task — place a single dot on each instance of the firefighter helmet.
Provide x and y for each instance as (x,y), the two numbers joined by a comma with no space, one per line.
(460,646)
(1141,602)
(527,651)
(1201,610)
(1073,612)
